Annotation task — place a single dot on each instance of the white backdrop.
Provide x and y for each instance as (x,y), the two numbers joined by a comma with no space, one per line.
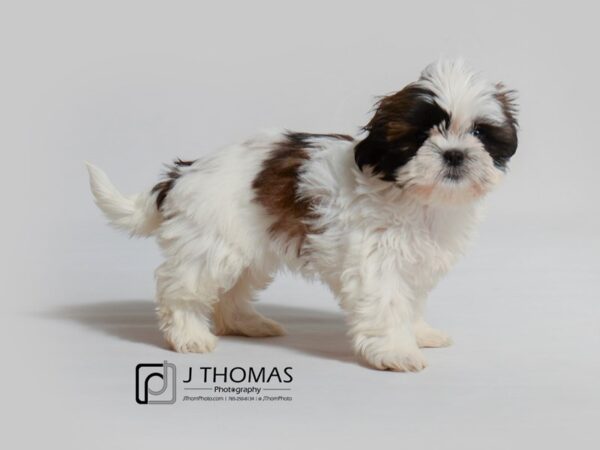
(131,85)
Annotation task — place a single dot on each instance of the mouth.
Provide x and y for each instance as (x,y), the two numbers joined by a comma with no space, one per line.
(454,174)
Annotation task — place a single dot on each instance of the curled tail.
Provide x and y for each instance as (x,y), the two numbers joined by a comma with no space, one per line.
(136,213)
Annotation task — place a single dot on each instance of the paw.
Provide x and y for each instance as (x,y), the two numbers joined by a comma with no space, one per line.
(384,353)
(430,337)
(185,329)
(403,361)
(253,326)
(202,342)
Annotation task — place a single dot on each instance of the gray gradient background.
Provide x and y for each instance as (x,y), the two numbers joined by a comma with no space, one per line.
(130,85)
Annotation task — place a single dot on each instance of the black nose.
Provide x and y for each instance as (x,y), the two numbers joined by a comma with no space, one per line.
(454,158)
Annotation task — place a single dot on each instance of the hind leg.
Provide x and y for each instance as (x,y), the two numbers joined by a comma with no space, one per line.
(235,315)
(186,294)
(185,327)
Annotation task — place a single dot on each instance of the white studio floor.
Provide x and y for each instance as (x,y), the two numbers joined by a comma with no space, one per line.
(524,370)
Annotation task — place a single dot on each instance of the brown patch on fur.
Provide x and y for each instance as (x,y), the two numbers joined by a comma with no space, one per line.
(173,173)
(397,130)
(276,185)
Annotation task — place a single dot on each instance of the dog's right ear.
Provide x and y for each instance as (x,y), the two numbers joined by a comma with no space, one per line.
(397,130)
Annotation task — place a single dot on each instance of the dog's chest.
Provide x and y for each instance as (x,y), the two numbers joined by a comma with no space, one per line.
(433,238)
(423,241)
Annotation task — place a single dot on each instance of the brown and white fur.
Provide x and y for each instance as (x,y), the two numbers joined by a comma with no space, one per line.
(378,218)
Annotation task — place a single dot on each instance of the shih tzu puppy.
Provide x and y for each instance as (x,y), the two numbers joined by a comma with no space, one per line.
(379,218)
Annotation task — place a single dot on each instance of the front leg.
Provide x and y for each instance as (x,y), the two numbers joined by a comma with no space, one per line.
(381,312)
(426,335)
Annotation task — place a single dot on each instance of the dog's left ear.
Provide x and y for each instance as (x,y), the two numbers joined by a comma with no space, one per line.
(502,141)
(508,101)
(397,130)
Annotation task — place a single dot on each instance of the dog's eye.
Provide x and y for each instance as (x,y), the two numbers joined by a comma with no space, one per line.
(477,131)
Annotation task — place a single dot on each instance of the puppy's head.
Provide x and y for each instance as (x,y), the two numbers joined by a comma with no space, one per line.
(445,138)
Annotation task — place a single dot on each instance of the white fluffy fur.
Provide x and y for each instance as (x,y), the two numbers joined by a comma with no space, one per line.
(381,249)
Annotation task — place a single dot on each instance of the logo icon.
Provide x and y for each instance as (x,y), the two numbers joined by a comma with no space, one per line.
(155,383)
